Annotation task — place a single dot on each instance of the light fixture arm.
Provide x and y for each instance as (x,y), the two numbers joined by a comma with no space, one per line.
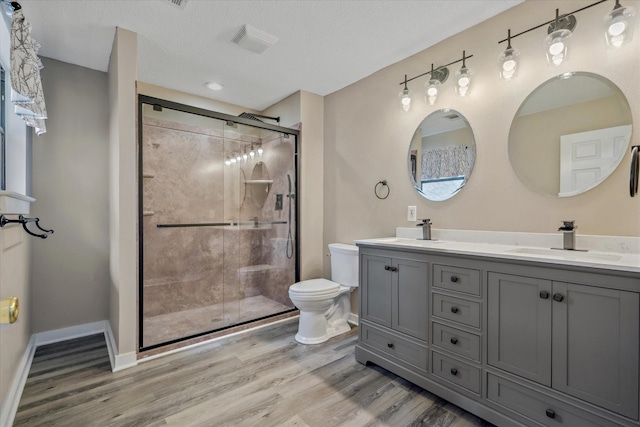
(440,73)
(553,20)
(509,39)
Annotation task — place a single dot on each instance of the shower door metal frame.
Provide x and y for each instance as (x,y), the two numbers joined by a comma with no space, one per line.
(144,99)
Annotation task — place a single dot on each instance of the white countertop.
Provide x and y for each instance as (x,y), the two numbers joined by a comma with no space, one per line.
(619,261)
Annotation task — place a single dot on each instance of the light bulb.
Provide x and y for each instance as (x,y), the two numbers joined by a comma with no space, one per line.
(233,160)
(463,81)
(618,25)
(245,156)
(431,91)
(556,46)
(252,154)
(227,162)
(260,151)
(405,99)
(238,157)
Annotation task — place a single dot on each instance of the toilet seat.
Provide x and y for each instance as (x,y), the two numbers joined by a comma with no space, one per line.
(314,289)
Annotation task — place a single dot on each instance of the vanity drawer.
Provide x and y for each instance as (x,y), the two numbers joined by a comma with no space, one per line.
(456,279)
(394,345)
(539,407)
(456,341)
(457,309)
(460,373)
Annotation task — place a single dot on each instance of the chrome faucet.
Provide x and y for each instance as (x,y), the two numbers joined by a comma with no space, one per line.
(426,229)
(568,235)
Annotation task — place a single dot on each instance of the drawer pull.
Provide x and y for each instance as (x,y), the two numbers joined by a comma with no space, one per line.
(551,413)
(558,297)
(454,340)
(390,268)
(544,294)
(390,344)
(454,371)
(454,309)
(454,279)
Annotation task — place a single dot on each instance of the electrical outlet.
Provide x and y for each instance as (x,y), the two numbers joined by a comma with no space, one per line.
(412,213)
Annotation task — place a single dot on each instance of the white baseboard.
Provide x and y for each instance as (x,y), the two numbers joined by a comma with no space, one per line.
(9,406)
(118,361)
(64,334)
(353,319)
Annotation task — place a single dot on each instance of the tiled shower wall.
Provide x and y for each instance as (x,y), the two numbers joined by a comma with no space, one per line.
(186,181)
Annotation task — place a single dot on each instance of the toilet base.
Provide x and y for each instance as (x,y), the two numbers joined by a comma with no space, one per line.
(331,332)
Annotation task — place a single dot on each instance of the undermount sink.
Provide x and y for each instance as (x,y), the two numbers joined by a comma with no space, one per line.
(566,254)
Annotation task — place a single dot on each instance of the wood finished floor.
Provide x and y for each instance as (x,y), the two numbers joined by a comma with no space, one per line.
(261,378)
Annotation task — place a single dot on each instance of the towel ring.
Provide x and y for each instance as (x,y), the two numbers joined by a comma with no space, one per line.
(379,188)
(635,170)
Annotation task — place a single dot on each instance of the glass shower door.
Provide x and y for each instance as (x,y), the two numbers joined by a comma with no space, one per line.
(214,221)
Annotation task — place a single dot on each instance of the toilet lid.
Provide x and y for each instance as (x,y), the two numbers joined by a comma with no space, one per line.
(314,287)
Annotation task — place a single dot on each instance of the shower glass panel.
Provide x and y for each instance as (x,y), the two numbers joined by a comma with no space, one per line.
(217,235)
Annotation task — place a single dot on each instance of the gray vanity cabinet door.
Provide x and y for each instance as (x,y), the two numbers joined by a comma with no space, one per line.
(409,298)
(595,346)
(375,289)
(519,326)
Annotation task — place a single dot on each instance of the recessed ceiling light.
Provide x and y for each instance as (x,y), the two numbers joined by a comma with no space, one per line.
(214,86)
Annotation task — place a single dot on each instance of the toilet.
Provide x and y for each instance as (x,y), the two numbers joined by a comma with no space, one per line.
(324,304)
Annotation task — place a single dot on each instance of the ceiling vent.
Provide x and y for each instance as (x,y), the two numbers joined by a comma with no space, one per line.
(179,3)
(253,39)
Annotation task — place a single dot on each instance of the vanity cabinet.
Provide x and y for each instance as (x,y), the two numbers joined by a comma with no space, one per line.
(514,342)
(394,294)
(580,340)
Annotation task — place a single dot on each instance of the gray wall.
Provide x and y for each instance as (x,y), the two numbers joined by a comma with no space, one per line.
(70,269)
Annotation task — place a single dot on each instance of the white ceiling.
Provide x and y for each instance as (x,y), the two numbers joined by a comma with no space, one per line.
(323,46)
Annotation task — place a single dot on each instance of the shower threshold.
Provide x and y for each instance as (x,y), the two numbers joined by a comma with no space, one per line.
(167,328)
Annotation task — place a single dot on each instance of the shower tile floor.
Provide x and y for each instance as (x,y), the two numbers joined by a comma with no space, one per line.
(171,326)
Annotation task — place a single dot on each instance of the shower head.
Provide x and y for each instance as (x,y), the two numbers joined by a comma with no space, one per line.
(253,116)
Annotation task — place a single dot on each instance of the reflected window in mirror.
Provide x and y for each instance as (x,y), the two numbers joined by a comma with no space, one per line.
(441,155)
(570,134)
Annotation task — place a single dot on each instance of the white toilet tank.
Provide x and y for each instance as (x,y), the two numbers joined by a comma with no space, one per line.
(344,264)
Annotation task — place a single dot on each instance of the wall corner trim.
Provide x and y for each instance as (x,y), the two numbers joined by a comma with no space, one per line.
(9,407)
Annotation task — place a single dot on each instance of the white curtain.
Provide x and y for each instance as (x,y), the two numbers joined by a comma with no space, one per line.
(26,87)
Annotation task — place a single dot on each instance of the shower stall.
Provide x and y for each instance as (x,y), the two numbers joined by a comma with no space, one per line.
(218,235)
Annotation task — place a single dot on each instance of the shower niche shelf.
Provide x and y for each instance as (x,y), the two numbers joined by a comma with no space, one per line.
(259,181)
(148,213)
(148,175)
(255,268)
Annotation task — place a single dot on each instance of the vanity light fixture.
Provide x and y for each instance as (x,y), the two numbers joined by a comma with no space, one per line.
(463,77)
(556,41)
(618,25)
(405,97)
(438,76)
(245,156)
(508,60)
(618,30)
(239,158)
(260,150)
(227,161)
(252,152)
(233,159)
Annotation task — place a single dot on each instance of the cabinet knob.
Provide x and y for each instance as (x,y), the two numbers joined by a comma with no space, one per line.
(558,297)
(390,344)
(454,340)
(544,294)
(550,413)
(454,279)
(454,309)
(454,371)
(390,268)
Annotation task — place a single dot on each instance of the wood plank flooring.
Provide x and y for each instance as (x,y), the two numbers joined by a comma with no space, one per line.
(261,378)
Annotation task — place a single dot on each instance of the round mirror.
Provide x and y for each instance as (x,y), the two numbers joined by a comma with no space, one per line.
(260,184)
(569,134)
(441,155)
